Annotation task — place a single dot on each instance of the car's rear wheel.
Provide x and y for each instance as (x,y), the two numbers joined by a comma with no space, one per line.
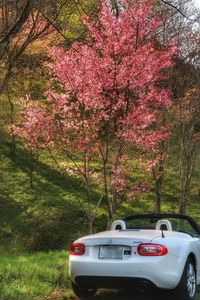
(83,292)
(186,289)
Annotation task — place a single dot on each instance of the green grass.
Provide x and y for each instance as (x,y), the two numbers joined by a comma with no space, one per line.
(44,276)
(30,276)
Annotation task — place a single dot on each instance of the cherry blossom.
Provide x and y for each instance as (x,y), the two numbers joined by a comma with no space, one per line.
(109,94)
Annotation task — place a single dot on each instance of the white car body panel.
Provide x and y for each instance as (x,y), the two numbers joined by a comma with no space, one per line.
(163,271)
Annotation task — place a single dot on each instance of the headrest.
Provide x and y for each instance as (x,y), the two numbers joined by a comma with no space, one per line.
(118,225)
(164,225)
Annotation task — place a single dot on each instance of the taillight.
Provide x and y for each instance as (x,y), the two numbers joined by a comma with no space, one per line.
(152,250)
(77,249)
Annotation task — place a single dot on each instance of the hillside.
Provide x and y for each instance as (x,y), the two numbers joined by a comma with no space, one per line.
(40,218)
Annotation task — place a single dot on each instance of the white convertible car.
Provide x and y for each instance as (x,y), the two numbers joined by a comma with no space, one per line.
(140,251)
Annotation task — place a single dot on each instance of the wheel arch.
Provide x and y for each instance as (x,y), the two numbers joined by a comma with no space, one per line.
(193,257)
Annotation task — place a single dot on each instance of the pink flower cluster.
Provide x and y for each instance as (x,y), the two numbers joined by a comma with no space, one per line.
(109,86)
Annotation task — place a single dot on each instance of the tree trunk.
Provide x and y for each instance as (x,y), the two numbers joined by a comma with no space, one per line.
(159,186)
(12,121)
(30,173)
(5,15)
(90,225)
(17,26)
(106,190)
(185,190)
(187,163)
(31,162)
(182,207)
(158,174)
(109,223)
(157,208)
(13,146)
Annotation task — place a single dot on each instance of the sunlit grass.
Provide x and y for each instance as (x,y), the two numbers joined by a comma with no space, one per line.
(43,276)
(27,276)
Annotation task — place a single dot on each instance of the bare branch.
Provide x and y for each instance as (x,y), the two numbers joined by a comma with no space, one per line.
(180,11)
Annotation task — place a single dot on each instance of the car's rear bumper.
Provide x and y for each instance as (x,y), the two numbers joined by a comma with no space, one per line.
(162,272)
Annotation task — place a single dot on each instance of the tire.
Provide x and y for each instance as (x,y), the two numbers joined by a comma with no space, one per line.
(186,289)
(82,292)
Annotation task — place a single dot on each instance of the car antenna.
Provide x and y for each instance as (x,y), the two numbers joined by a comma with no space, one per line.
(163,236)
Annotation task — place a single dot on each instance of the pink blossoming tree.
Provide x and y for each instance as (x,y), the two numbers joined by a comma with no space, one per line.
(105,99)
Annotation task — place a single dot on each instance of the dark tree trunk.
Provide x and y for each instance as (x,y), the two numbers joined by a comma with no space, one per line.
(11,104)
(4,42)
(158,174)
(90,225)
(187,163)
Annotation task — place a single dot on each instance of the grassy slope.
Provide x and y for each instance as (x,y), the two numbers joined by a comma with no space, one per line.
(48,216)
(40,217)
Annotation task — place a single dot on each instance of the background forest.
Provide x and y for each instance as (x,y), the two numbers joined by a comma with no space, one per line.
(53,190)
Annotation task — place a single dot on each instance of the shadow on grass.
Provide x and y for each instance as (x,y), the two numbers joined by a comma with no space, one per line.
(42,216)
(52,177)
(9,209)
(133,295)
(130,295)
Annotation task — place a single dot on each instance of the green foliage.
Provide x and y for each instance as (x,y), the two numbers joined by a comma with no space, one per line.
(70,18)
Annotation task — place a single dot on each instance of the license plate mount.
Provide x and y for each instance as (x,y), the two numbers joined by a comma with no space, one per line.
(110,252)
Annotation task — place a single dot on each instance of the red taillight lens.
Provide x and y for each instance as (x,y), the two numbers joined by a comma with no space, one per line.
(151,250)
(77,249)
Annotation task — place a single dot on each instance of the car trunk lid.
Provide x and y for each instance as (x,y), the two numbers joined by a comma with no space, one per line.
(120,237)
